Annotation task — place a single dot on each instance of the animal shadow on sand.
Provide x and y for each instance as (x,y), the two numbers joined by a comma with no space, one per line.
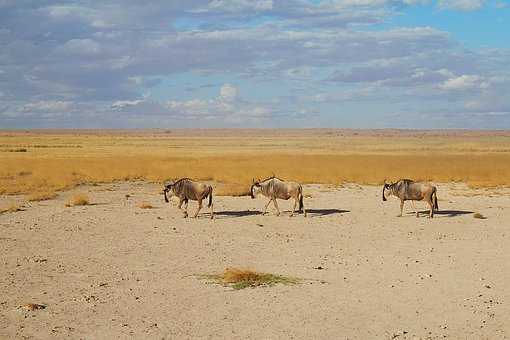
(446,213)
(325,212)
(236,213)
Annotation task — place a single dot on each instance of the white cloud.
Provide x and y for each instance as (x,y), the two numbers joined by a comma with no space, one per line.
(81,46)
(121,104)
(240,5)
(192,107)
(47,106)
(228,92)
(461,5)
(464,82)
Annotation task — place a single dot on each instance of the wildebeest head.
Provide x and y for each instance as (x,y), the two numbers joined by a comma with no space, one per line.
(168,188)
(255,188)
(386,186)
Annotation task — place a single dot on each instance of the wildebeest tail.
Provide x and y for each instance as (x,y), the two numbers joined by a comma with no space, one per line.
(300,198)
(210,197)
(435,200)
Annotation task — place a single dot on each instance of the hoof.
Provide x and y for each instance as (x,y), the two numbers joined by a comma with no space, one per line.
(291,215)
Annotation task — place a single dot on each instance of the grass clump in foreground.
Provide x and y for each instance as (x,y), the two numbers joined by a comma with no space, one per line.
(77,200)
(244,278)
(145,205)
(479,216)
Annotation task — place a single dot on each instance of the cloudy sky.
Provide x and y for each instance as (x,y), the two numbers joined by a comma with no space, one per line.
(255,63)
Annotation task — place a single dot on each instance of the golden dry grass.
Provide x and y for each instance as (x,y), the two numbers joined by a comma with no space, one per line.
(78,199)
(145,205)
(41,196)
(232,189)
(58,161)
(243,278)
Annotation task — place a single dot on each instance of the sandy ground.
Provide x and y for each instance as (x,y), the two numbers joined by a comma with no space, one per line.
(112,269)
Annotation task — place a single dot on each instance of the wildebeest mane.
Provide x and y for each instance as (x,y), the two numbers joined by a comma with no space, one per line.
(178,181)
(182,179)
(272,177)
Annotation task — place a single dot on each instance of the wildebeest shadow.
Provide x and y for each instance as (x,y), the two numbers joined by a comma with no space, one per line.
(310,212)
(325,212)
(237,213)
(448,213)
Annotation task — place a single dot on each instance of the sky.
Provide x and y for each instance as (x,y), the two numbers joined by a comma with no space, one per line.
(423,64)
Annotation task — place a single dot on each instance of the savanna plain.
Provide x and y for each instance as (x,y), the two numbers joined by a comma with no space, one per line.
(89,248)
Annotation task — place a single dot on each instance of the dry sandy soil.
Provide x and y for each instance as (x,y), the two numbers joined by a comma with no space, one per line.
(112,269)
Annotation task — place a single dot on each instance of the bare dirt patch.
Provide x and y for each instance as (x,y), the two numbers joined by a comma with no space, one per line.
(111,269)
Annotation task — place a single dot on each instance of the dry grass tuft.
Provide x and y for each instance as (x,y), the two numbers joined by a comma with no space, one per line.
(41,196)
(479,216)
(244,278)
(32,306)
(145,205)
(78,199)
(11,208)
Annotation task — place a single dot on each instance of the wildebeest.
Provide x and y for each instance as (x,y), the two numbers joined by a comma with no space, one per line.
(408,190)
(187,189)
(274,188)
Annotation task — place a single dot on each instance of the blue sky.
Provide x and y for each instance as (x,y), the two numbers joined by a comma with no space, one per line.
(255,63)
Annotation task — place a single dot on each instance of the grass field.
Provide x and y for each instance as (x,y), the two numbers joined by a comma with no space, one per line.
(43,162)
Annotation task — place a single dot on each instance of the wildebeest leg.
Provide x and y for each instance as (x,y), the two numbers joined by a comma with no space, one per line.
(431,213)
(414,208)
(265,209)
(294,207)
(186,206)
(185,201)
(401,208)
(276,206)
(199,207)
